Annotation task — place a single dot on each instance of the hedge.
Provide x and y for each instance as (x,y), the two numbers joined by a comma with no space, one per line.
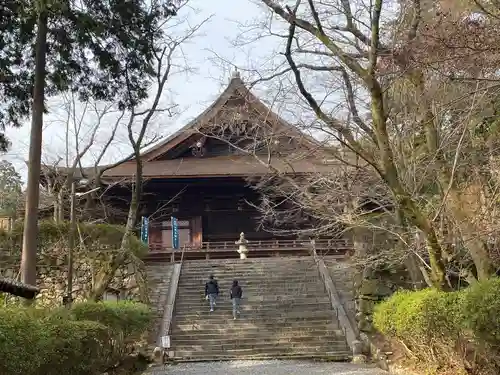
(86,340)
(458,330)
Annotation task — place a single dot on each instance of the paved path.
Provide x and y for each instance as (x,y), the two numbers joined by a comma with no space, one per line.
(264,368)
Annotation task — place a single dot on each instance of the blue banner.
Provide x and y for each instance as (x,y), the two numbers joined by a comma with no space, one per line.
(145,229)
(175,233)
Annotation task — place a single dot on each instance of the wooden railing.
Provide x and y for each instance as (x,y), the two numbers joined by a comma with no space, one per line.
(214,246)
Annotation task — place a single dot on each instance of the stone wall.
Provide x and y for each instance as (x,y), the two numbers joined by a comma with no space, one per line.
(360,290)
(96,246)
(52,273)
(377,272)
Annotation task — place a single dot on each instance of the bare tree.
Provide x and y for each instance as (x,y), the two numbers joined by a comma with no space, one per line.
(166,58)
(395,99)
(81,140)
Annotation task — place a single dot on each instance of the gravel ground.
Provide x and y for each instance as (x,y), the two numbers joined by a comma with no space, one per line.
(264,368)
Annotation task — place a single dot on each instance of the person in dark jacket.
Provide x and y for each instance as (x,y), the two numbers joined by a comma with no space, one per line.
(236,294)
(212,291)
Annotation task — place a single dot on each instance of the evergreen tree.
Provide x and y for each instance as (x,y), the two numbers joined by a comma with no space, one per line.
(98,48)
(10,189)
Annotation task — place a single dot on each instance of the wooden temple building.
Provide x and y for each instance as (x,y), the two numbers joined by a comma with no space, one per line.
(200,175)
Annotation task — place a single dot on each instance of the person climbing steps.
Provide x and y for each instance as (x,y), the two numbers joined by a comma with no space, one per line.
(235,294)
(212,292)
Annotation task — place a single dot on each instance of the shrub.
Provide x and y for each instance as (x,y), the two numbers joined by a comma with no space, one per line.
(73,347)
(127,320)
(419,316)
(481,311)
(21,339)
(87,340)
(438,327)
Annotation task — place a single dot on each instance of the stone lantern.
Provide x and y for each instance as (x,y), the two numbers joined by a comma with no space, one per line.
(242,243)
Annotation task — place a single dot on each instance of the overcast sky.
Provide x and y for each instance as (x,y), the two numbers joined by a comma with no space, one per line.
(192,92)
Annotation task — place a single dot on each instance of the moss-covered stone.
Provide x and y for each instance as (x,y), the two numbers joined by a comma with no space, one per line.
(96,244)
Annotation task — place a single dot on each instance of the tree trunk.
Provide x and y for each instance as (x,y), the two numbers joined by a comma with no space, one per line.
(406,204)
(104,278)
(477,248)
(59,214)
(413,265)
(30,235)
(474,244)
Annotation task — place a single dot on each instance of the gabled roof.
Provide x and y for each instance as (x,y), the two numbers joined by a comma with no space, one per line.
(233,165)
(236,88)
(229,165)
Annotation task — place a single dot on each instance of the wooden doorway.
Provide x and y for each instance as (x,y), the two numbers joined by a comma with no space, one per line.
(184,233)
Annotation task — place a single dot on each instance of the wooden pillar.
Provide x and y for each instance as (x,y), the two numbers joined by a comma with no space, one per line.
(196,232)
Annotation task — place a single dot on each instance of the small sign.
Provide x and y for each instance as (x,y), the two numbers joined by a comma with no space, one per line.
(165,342)
(175,233)
(145,229)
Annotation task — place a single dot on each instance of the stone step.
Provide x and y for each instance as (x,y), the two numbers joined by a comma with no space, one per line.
(246,320)
(341,352)
(253,303)
(292,285)
(254,336)
(289,335)
(290,288)
(251,315)
(252,283)
(229,334)
(261,346)
(265,260)
(252,279)
(250,271)
(254,333)
(256,315)
(206,272)
(329,356)
(258,269)
(287,285)
(256,294)
(218,344)
(254,299)
(258,324)
(251,310)
(251,264)
(241,327)
(264,347)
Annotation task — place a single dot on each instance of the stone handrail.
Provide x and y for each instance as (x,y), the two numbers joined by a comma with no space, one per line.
(168,312)
(344,321)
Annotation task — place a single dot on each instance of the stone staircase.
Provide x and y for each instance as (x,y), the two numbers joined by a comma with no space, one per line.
(285,312)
